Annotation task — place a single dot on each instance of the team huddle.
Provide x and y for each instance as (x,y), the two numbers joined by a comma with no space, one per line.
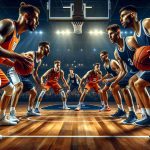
(121,78)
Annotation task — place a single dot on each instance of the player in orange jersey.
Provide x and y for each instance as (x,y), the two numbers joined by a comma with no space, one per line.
(52,77)
(92,77)
(10,32)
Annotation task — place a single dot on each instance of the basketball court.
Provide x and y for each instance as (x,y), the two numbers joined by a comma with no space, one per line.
(68,129)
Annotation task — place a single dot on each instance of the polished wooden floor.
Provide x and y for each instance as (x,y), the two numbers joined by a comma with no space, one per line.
(68,129)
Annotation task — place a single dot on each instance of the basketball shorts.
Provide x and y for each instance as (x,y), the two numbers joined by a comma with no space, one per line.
(125,80)
(108,84)
(54,85)
(27,83)
(13,76)
(4,81)
(73,87)
(94,86)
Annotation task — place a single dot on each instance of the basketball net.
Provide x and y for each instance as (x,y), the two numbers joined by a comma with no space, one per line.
(77,26)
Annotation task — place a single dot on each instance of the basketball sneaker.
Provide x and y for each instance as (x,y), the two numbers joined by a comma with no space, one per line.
(105,108)
(13,117)
(36,110)
(78,108)
(101,107)
(5,122)
(32,113)
(131,118)
(145,121)
(66,108)
(119,114)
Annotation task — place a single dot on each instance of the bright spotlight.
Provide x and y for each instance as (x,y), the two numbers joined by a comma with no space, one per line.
(40,32)
(101,32)
(36,32)
(62,32)
(90,32)
(58,32)
(68,31)
(96,32)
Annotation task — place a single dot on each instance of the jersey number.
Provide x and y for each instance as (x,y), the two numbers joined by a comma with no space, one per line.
(130,61)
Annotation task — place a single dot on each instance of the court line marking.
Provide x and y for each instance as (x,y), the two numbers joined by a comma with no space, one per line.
(35,120)
(67,136)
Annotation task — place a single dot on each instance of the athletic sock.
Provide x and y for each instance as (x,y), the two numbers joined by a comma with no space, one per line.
(3,113)
(64,104)
(37,104)
(80,104)
(143,111)
(120,106)
(30,108)
(148,111)
(102,102)
(131,108)
(12,108)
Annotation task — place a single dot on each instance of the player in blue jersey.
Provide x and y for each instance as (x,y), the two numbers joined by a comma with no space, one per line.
(124,55)
(28,86)
(129,19)
(73,81)
(112,67)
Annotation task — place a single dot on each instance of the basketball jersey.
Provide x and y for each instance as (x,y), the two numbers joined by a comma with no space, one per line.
(36,63)
(11,44)
(109,70)
(73,81)
(143,39)
(93,77)
(54,76)
(127,56)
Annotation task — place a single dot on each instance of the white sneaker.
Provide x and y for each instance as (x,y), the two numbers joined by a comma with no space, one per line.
(78,108)
(66,108)
(6,122)
(13,117)
(32,113)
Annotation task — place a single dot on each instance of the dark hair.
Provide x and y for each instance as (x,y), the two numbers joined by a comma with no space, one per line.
(27,8)
(57,61)
(96,64)
(128,8)
(113,27)
(104,52)
(71,68)
(44,43)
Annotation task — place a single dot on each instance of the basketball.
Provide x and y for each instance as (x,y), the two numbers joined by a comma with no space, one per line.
(141,58)
(22,69)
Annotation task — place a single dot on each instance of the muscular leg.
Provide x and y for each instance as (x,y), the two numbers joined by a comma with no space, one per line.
(64,99)
(128,98)
(81,100)
(40,98)
(141,85)
(105,95)
(16,95)
(117,96)
(5,99)
(136,93)
(32,97)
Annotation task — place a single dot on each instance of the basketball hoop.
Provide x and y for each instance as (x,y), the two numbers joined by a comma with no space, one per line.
(77,26)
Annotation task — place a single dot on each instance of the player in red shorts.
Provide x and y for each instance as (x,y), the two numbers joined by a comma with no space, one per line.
(92,77)
(52,77)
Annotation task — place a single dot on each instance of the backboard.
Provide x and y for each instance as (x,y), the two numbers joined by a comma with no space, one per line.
(93,10)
